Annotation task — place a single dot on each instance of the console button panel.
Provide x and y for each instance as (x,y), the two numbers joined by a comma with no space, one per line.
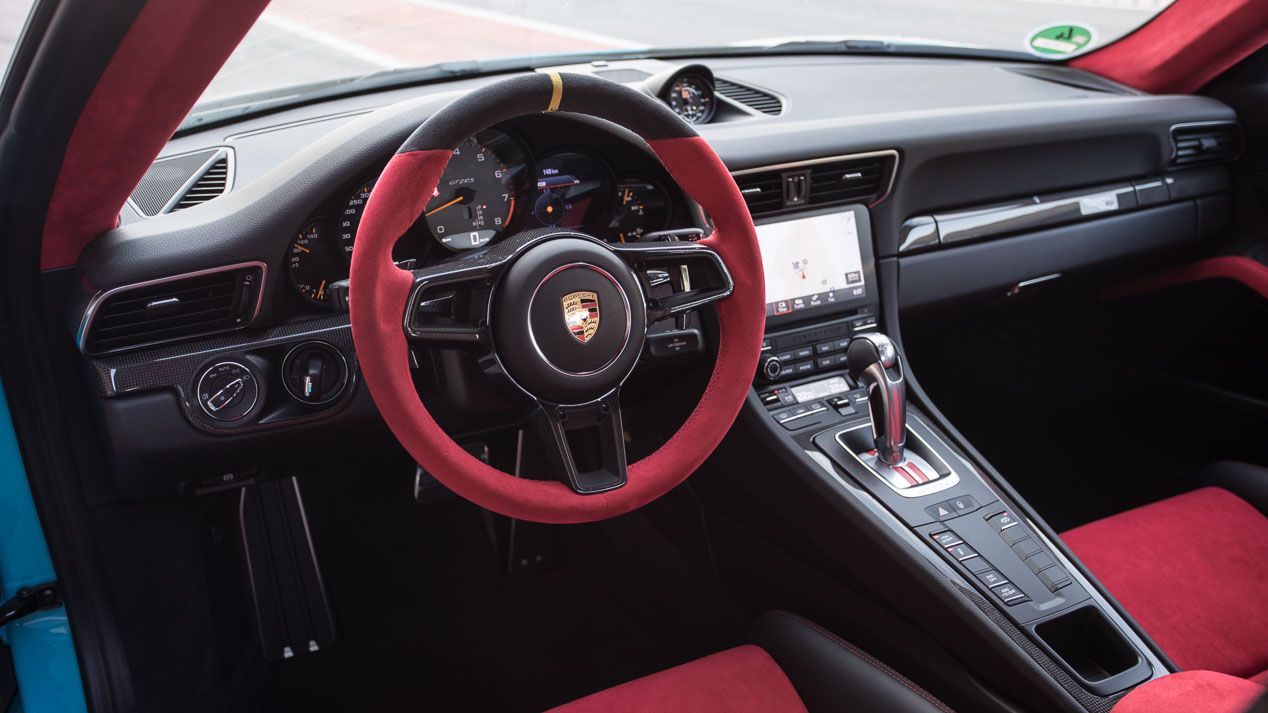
(801,352)
(1008,562)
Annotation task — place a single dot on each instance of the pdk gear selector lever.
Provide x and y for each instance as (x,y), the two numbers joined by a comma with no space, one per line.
(874,363)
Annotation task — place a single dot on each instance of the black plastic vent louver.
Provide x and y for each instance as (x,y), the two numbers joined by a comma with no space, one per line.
(176,308)
(1195,144)
(211,184)
(817,184)
(178,182)
(748,96)
(762,192)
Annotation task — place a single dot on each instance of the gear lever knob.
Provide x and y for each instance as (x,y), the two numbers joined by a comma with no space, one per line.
(874,363)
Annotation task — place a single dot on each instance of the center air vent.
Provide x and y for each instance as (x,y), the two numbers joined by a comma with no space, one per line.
(861,178)
(764,102)
(1193,144)
(177,182)
(189,305)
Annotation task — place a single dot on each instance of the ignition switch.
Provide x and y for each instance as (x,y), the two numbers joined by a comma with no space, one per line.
(315,373)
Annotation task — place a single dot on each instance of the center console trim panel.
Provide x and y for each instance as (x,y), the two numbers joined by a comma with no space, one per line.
(934,486)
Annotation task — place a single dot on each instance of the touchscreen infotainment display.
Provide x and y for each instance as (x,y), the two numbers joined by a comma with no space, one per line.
(811,262)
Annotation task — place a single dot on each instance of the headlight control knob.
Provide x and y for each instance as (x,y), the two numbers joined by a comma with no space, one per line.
(228,391)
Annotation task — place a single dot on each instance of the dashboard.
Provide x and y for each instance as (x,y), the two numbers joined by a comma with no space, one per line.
(916,183)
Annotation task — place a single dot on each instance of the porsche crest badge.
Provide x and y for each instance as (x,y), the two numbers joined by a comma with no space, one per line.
(581,314)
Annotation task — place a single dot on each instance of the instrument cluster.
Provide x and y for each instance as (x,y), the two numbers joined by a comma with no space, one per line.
(493,187)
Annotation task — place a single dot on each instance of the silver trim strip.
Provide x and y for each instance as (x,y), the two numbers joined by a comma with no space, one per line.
(90,311)
(893,175)
(1017,288)
(1031,213)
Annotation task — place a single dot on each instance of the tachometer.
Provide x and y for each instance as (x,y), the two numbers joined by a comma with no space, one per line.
(691,97)
(642,206)
(311,265)
(475,199)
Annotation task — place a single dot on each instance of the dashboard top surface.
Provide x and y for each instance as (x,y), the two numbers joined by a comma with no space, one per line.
(966,131)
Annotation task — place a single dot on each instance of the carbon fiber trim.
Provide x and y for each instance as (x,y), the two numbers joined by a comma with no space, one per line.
(178,367)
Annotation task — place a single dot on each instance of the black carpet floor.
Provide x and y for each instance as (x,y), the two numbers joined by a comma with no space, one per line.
(428,621)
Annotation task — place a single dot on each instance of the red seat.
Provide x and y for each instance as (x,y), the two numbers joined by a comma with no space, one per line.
(793,666)
(740,680)
(1192,570)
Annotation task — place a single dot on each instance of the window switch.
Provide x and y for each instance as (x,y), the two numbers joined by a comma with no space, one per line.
(1039,562)
(1026,547)
(1013,535)
(1054,578)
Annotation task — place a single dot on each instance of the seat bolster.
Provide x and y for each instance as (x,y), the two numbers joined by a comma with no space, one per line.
(1192,692)
(826,669)
(740,680)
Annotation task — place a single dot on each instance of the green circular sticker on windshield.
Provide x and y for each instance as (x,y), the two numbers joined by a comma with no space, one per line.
(1059,40)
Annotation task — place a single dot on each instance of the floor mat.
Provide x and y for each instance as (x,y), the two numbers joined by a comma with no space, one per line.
(429,622)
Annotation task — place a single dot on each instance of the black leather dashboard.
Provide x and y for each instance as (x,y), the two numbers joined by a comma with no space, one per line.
(967,133)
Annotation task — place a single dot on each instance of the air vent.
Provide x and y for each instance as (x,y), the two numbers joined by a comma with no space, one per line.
(862,178)
(178,182)
(748,96)
(1193,144)
(190,305)
(211,184)
(762,192)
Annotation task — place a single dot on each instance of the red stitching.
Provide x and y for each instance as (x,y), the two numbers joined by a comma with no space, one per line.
(865,657)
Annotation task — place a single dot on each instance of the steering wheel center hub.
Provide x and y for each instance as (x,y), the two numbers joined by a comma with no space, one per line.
(569,320)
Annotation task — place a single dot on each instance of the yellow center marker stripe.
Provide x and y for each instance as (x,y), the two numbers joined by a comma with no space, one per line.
(556,90)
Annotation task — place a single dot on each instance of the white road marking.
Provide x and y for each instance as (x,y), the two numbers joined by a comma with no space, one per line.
(529,24)
(335,42)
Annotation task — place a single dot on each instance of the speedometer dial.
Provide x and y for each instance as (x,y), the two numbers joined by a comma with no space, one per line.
(475,199)
(351,218)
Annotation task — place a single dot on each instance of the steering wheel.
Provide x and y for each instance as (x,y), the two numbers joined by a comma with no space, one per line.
(557,315)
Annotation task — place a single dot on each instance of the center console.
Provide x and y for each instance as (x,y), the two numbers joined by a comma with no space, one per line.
(834,385)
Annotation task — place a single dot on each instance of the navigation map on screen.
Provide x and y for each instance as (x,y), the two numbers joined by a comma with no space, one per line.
(811,262)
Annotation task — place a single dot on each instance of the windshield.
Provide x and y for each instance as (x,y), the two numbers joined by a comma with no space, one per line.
(302,42)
